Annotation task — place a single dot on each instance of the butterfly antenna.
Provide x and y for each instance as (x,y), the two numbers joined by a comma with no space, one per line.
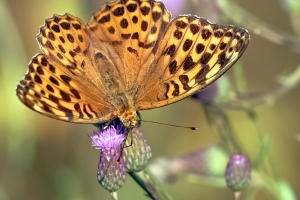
(188,127)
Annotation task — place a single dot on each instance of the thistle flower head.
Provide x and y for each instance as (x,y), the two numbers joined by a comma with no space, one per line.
(218,91)
(111,172)
(207,94)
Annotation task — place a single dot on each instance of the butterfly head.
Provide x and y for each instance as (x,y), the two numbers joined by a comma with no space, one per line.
(130,119)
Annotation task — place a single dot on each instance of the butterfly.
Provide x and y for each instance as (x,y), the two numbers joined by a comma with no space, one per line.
(129,57)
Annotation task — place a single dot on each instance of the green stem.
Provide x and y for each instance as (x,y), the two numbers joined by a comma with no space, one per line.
(150,185)
(114,195)
(219,121)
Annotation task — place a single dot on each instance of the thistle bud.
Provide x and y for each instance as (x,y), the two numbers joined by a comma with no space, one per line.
(238,172)
(136,152)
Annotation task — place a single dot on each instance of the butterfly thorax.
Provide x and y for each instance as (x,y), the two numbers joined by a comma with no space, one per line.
(129,119)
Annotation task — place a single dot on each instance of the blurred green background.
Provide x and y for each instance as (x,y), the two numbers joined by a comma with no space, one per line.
(42,158)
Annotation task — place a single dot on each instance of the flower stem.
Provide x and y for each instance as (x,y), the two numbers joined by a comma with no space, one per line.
(236,195)
(150,185)
(114,195)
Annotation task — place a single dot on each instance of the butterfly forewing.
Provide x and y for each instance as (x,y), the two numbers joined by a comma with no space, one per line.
(129,57)
(193,54)
(61,82)
(134,29)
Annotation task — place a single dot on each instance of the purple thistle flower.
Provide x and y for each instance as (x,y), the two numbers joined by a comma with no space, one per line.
(217,92)
(207,94)
(111,172)
(238,172)
(175,8)
(111,137)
